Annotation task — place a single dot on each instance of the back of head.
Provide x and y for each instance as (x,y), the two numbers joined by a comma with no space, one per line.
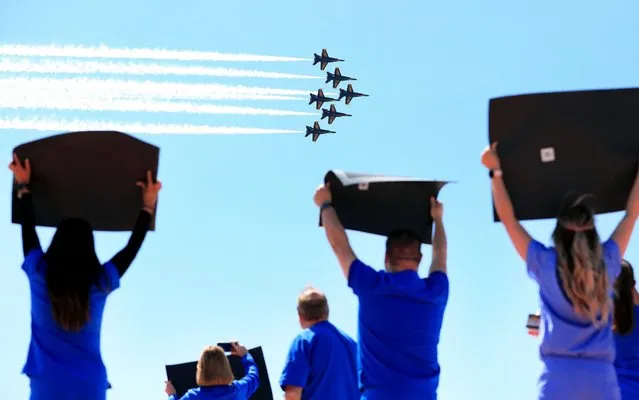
(73,269)
(580,261)
(624,299)
(312,305)
(214,368)
(403,250)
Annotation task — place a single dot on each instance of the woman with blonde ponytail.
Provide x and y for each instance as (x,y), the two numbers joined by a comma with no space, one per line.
(575,279)
(626,333)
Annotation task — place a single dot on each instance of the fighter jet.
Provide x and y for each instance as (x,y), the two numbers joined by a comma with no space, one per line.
(349,94)
(337,77)
(316,131)
(332,114)
(320,99)
(324,59)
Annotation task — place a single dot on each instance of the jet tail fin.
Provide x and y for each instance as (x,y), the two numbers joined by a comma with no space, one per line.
(317,59)
(329,77)
(324,113)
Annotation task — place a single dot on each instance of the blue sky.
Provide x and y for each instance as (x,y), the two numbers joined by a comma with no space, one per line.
(237,235)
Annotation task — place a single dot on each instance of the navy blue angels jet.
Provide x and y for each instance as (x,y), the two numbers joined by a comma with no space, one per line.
(320,99)
(349,94)
(332,114)
(324,59)
(337,77)
(316,131)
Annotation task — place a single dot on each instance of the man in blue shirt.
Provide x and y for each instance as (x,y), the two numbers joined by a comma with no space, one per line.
(322,362)
(400,314)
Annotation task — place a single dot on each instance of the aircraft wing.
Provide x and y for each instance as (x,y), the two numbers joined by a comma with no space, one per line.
(324,53)
(316,125)
(335,83)
(323,65)
(315,136)
(348,99)
(331,119)
(332,107)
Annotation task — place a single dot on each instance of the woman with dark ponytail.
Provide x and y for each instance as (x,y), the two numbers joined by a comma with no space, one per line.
(626,333)
(575,277)
(69,288)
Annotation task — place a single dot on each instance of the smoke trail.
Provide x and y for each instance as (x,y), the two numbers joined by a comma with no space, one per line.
(35,100)
(113,88)
(139,53)
(151,129)
(123,68)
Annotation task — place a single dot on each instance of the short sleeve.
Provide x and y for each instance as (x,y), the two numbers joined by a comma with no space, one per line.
(438,284)
(538,258)
(110,277)
(362,278)
(296,368)
(32,261)
(612,258)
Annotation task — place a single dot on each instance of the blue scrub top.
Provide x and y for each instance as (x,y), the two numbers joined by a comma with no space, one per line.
(400,319)
(323,361)
(627,361)
(56,355)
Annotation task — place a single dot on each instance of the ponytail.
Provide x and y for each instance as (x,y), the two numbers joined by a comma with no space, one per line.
(585,280)
(624,302)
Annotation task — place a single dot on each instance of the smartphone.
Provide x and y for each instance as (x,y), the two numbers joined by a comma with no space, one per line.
(533,321)
(226,346)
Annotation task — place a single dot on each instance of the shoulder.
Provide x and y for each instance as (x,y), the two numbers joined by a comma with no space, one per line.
(110,277)
(191,394)
(363,278)
(33,262)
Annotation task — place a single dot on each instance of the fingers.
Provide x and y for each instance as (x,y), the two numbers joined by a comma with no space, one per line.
(493,146)
(149,177)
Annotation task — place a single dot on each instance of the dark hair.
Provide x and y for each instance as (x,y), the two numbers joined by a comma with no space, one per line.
(401,238)
(624,302)
(580,262)
(72,270)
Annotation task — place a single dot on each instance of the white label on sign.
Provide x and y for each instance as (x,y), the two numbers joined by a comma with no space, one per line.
(363,186)
(547,154)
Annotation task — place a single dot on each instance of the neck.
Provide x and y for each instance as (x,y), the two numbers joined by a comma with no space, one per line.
(308,324)
(214,382)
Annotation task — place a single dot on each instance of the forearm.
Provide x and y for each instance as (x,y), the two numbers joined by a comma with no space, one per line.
(30,240)
(125,257)
(336,235)
(503,204)
(623,232)
(439,247)
(293,394)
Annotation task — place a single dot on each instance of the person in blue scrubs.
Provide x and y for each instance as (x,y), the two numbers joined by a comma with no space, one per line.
(322,360)
(575,279)
(400,313)
(215,379)
(626,332)
(69,288)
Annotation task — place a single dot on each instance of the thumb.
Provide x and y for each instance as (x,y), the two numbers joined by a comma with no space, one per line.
(493,146)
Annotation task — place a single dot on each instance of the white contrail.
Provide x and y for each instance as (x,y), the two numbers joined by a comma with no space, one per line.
(135,53)
(35,100)
(127,68)
(113,88)
(151,129)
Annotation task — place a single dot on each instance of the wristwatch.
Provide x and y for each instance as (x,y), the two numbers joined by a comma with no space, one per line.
(495,173)
(325,206)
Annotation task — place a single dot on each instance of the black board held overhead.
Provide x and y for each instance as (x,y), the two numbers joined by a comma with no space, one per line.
(90,175)
(183,375)
(553,145)
(378,204)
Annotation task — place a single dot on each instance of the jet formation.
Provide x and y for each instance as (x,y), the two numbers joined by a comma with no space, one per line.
(319,99)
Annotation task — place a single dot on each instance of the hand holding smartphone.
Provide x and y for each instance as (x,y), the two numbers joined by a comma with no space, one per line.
(533,324)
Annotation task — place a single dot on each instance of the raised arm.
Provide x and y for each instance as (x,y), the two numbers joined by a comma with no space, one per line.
(335,232)
(439,237)
(251,380)
(504,207)
(623,232)
(125,257)
(22,175)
